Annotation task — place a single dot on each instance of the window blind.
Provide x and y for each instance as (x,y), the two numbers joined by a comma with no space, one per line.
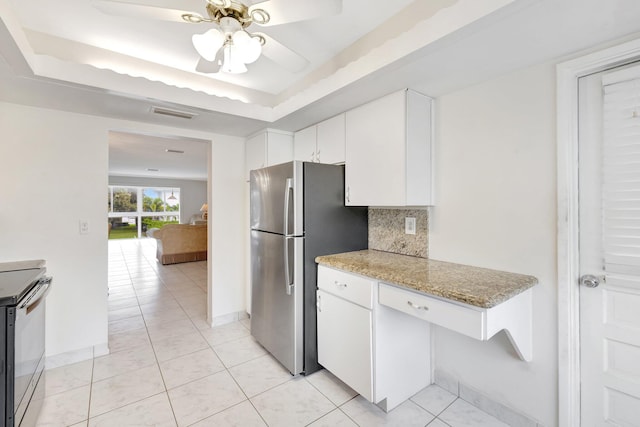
(621,182)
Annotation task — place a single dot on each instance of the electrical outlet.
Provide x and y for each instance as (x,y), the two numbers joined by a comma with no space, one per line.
(84,226)
(409,225)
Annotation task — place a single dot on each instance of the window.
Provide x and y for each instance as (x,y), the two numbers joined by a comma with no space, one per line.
(133,210)
(160,200)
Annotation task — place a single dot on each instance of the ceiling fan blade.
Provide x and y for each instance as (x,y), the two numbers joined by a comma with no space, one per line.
(140,11)
(282,55)
(286,11)
(208,67)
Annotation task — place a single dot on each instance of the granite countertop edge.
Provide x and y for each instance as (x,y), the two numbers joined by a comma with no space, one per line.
(476,286)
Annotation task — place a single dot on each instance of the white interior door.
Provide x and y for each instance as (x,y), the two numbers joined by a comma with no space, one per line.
(610,248)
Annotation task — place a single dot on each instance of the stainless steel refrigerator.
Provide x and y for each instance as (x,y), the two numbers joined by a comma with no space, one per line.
(297,213)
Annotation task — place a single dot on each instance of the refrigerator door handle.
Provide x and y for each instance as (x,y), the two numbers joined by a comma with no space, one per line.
(288,193)
(287,266)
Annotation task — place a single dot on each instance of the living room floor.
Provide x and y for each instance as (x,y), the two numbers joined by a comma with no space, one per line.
(167,367)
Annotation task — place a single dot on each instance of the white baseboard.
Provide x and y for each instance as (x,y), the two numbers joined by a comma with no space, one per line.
(483,402)
(229,318)
(101,350)
(75,356)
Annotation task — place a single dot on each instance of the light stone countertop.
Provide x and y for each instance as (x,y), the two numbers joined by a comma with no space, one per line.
(480,287)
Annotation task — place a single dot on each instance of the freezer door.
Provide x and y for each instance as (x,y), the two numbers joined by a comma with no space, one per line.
(276,199)
(277,296)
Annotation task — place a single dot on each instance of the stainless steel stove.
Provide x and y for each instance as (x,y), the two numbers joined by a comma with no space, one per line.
(23,288)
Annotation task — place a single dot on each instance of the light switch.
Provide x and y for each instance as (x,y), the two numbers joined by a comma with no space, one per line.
(409,225)
(84,226)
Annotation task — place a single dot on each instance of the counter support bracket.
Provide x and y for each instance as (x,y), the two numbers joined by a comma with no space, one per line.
(515,316)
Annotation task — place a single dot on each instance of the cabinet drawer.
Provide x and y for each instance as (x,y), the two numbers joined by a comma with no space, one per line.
(351,287)
(465,320)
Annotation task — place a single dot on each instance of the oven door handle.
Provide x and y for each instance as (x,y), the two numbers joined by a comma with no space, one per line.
(32,300)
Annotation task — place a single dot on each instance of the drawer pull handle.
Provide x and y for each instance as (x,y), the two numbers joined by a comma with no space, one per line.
(340,285)
(418,307)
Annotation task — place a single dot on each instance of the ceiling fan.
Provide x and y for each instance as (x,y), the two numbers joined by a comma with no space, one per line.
(228,46)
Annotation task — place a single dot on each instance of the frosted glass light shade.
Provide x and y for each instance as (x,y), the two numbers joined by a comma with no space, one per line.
(209,43)
(249,48)
(232,62)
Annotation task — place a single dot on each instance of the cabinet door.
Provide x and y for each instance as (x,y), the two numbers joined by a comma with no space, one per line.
(331,140)
(345,342)
(279,148)
(255,153)
(376,153)
(304,145)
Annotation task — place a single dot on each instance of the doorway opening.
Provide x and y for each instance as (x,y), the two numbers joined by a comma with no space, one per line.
(167,179)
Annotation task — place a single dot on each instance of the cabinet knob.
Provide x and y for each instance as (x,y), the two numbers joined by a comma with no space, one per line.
(348,195)
(313,156)
(318,156)
(340,285)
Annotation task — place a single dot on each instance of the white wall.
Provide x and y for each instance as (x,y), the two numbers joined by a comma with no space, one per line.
(53,169)
(228,228)
(53,172)
(496,208)
(192,193)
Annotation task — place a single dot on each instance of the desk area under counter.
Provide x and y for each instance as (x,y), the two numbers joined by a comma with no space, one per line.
(377,294)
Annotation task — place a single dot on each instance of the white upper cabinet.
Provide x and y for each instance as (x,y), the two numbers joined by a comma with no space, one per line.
(304,144)
(322,143)
(388,151)
(331,140)
(266,148)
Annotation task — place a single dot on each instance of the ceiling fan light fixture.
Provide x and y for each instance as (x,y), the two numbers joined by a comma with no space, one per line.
(231,46)
(209,43)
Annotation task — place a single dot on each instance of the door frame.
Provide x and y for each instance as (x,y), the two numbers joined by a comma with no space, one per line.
(567,77)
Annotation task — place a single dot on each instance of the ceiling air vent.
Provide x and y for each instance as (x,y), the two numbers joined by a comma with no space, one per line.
(173,113)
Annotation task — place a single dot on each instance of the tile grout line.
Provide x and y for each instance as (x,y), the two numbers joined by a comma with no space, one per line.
(166,392)
(157,363)
(155,355)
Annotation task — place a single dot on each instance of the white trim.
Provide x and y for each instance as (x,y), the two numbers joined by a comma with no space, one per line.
(229,318)
(568,271)
(76,356)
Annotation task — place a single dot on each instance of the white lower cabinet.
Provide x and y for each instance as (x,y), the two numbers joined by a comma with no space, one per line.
(381,353)
(345,342)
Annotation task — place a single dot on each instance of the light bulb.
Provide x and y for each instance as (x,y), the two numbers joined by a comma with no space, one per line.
(240,38)
(208,44)
(249,48)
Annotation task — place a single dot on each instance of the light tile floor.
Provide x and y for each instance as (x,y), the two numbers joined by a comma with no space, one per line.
(167,367)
